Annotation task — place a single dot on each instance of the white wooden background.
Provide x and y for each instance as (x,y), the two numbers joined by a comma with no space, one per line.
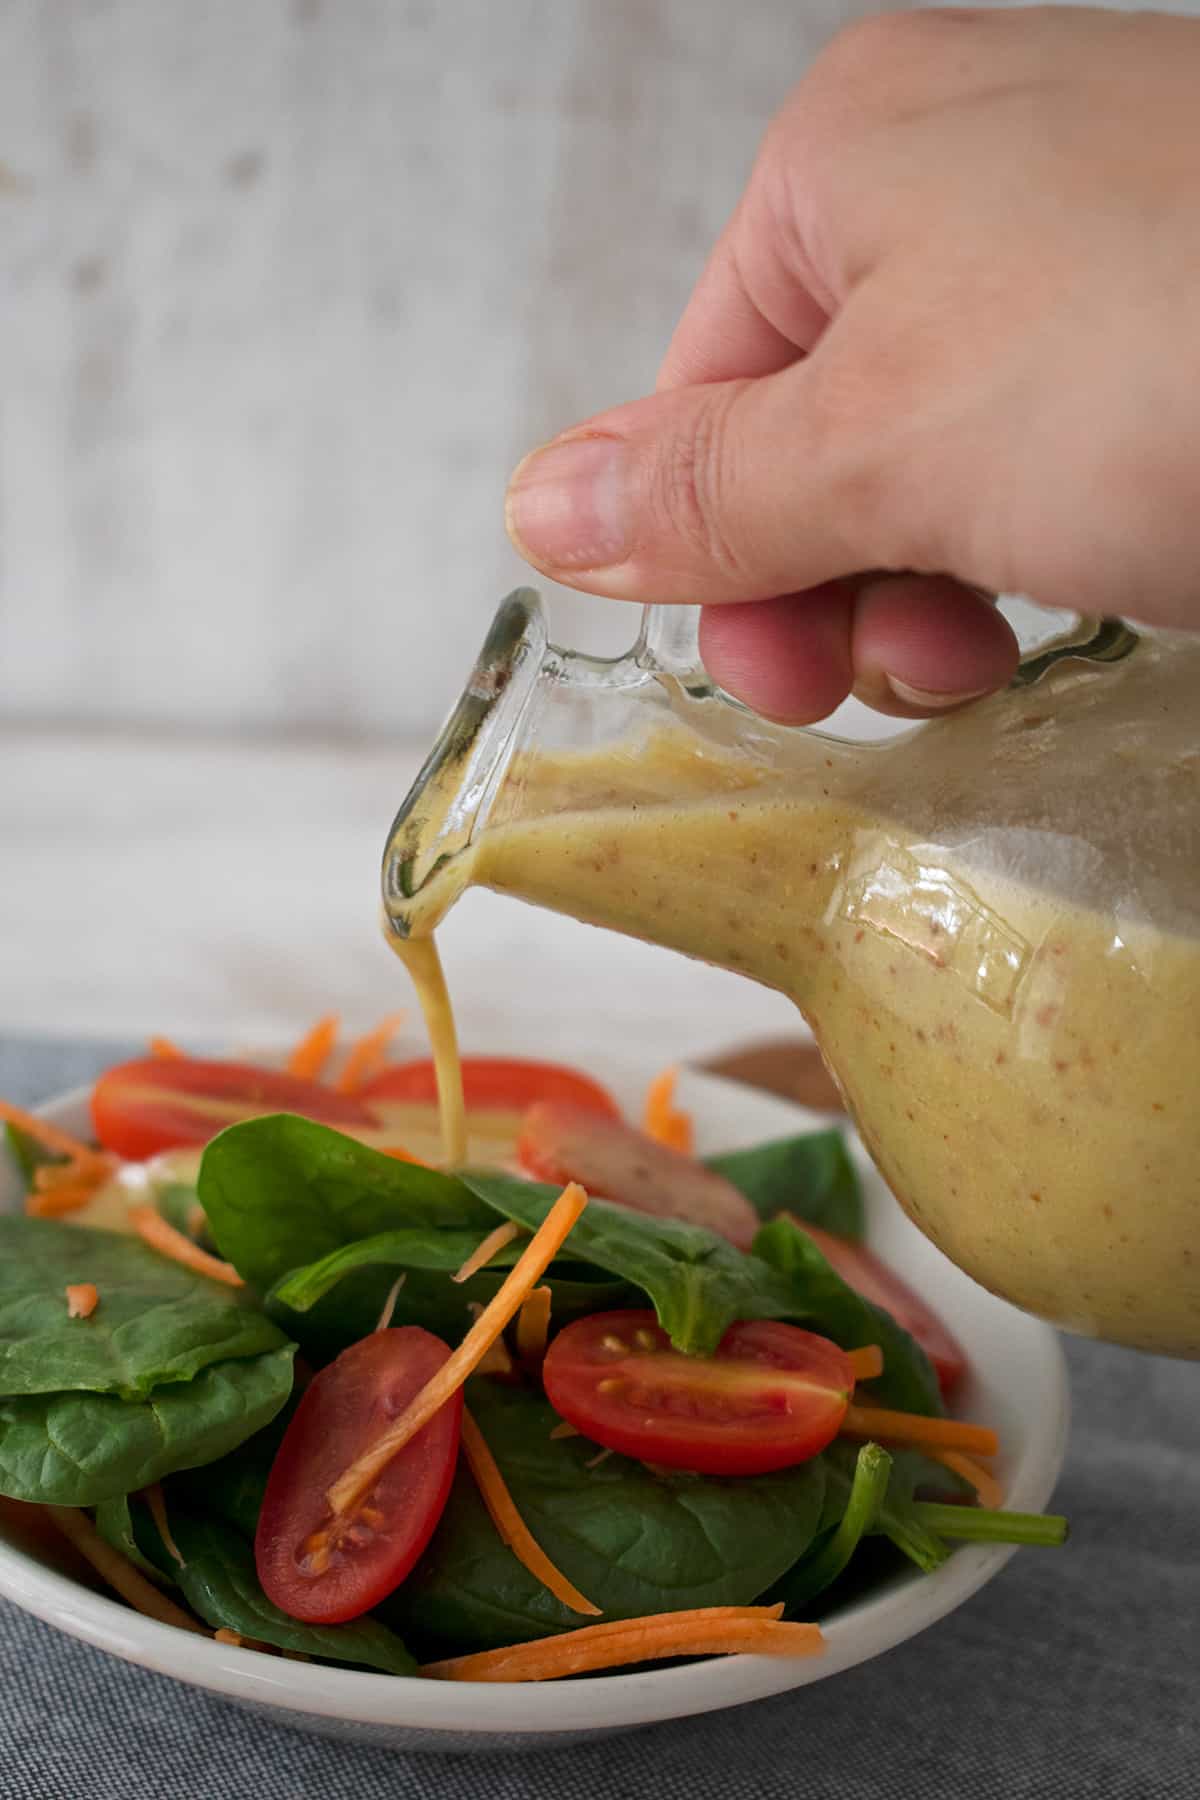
(287,286)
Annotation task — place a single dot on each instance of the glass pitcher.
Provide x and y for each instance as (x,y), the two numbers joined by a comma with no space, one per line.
(990,922)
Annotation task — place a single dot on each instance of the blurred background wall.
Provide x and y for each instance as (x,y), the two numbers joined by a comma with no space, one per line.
(287,289)
(291,285)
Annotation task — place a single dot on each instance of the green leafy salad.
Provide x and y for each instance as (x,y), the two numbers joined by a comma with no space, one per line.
(298,1390)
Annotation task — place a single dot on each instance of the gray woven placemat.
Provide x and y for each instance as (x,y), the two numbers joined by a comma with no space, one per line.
(1073,1676)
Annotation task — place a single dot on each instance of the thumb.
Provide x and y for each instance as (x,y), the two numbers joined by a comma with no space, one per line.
(737,490)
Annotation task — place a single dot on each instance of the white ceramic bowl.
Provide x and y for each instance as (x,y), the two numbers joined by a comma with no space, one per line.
(1018,1384)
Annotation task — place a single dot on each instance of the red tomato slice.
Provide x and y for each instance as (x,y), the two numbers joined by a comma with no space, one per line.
(773,1395)
(140,1108)
(862,1270)
(614,1161)
(326,1572)
(494,1083)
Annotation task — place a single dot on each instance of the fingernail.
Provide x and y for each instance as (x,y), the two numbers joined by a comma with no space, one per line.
(568,504)
(930,702)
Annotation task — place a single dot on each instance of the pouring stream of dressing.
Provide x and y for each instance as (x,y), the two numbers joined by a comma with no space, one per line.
(420,957)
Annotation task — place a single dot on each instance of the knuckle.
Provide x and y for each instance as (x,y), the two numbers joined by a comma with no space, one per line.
(694,486)
(875,56)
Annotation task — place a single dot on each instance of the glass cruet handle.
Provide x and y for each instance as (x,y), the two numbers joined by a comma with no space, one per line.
(670,641)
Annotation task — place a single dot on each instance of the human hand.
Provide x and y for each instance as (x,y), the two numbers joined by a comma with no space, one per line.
(953,327)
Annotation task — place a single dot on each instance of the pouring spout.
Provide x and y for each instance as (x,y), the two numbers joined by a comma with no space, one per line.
(427,857)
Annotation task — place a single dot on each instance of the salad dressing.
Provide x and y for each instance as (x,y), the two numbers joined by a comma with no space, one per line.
(420,957)
(1022,1067)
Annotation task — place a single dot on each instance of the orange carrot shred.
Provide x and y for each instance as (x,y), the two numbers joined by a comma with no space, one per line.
(166,1048)
(913,1428)
(988,1489)
(118,1571)
(601,1456)
(49,1136)
(502,1509)
(497,1361)
(83,1298)
(153,1496)
(536,1258)
(366,1054)
(484,1251)
(662,1119)
(224,1636)
(314,1049)
(564,1429)
(867,1363)
(154,1230)
(533,1328)
(707,1631)
(59,1201)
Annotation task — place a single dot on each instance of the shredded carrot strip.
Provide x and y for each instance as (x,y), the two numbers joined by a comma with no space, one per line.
(82,1299)
(539,1253)
(59,1201)
(197,1220)
(164,1047)
(502,1509)
(366,1054)
(867,1363)
(564,1430)
(662,1119)
(314,1049)
(533,1328)
(236,1641)
(389,1305)
(153,1229)
(497,1361)
(401,1155)
(913,1428)
(118,1571)
(601,1456)
(49,1136)
(709,1631)
(153,1496)
(483,1252)
(987,1488)
(83,1170)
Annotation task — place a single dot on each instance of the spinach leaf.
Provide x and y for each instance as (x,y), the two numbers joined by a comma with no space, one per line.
(698,1282)
(821,1300)
(283,1191)
(443,1251)
(810,1175)
(233,1487)
(76,1449)
(633,1541)
(219,1582)
(156,1322)
(362,1274)
(832,1550)
(178,1204)
(115,1525)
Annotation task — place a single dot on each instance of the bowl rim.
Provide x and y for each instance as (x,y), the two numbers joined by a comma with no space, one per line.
(619,1702)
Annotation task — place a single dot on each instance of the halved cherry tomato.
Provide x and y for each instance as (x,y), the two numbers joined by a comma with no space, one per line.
(493,1083)
(614,1161)
(140,1108)
(862,1270)
(773,1395)
(325,1570)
